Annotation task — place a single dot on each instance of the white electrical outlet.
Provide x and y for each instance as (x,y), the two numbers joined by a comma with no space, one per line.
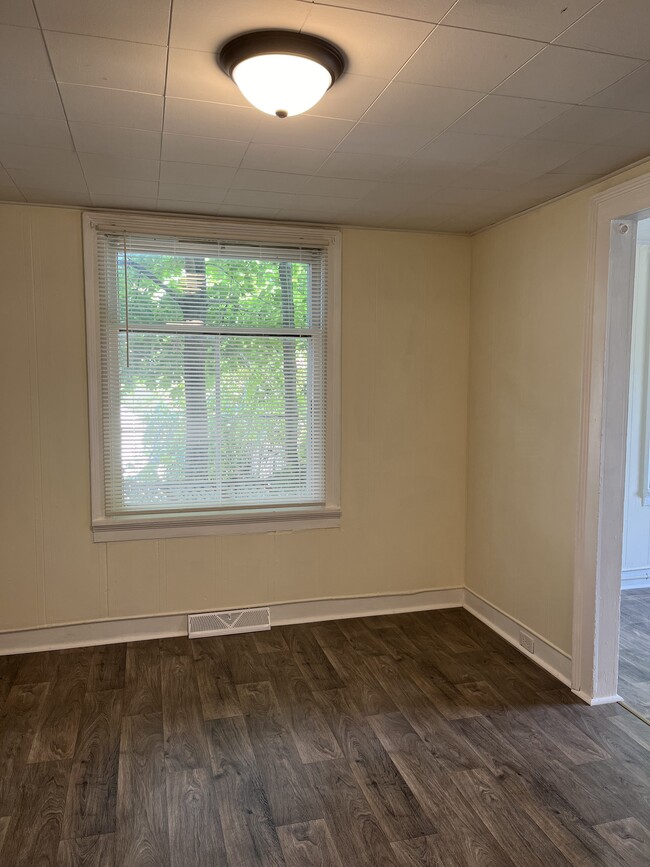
(527,642)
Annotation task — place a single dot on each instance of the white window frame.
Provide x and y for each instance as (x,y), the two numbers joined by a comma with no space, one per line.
(254,520)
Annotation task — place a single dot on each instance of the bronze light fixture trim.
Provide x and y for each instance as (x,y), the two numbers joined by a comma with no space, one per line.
(281,72)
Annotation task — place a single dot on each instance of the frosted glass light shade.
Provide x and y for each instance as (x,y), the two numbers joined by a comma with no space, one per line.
(281,72)
(282,84)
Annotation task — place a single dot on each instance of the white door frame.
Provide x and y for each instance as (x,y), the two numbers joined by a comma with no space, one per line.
(606,371)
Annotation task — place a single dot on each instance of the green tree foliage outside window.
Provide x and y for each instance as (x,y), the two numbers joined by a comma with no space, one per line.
(216,400)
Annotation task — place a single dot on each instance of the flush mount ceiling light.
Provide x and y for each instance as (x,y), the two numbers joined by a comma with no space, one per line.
(281,72)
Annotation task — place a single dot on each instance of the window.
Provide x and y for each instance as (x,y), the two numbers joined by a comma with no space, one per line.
(213,376)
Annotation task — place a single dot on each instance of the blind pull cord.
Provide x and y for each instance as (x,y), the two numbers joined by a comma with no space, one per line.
(126,305)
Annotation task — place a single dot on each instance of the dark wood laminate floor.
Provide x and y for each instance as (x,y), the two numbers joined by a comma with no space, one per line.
(634,655)
(418,739)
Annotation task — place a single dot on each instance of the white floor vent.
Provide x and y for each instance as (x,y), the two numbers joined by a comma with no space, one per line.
(228,622)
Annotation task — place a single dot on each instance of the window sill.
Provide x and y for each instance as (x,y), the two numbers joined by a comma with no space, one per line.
(253,521)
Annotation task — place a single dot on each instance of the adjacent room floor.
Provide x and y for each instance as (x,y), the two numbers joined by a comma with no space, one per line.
(634,655)
(418,739)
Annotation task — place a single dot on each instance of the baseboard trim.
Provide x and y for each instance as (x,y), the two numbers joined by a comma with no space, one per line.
(608,699)
(549,657)
(167,625)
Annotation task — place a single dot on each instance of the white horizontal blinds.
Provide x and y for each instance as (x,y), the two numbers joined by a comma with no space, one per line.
(213,373)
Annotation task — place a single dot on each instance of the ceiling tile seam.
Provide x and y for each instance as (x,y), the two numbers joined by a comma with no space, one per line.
(434,27)
(646,64)
(600,53)
(372,12)
(584,15)
(58,90)
(164,94)
(107,38)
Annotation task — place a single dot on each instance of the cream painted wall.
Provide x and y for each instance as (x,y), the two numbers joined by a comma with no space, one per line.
(527,330)
(405,368)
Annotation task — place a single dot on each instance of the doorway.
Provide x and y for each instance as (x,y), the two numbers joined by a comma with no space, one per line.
(634,637)
(614,219)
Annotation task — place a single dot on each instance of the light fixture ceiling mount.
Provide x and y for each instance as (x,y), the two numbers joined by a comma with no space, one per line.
(281,72)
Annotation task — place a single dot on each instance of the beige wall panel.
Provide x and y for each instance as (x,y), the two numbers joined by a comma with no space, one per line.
(20,531)
(404,357)
(189,573)
(134,586)
(74,576)
(529,280)
(244,568)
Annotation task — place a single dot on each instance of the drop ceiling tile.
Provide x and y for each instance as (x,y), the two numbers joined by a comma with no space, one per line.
(136,202)
(570,75)
(269,182)
(434,107)
(508,116)
(602,159)
(320,207)
(616,26)
(107,166)
(429,174)
(394,196)
(375,45)
(207,151)
(385,139)
(421,10)
(111,63)
(35,98)
(18,12)
(484,178)
(23,55)
(191,193)
(344,188)
(196,75)
(205,24)
(464,149)
(102,138)
(178,207)
(636,135)
(467,59)
(518,200)
(121,108)
(58,197)
(244,211)
(462,196)
(631,93)
(265,199)
(589,124)
(132,187)
(530,19)
(536,157)
(196,174)
(210,120)
(56,160)
(303,131)
(276,158)
(69,179)
(365,167)
(297,215)
(358,216)
(553,184)
(431,215)
(35,131)
(143,21)
(10,193)
(350,97)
